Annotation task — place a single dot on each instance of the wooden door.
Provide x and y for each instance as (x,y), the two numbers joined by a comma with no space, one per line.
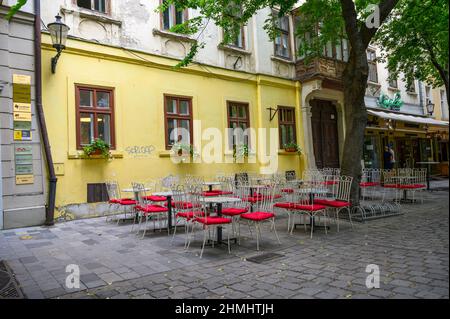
(325,134)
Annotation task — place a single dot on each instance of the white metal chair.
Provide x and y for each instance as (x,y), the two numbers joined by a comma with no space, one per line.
(262,211)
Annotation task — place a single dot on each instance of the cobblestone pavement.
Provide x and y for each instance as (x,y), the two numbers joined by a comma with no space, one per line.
(411,251)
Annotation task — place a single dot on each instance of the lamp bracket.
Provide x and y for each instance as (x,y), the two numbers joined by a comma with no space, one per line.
(272,115)
(55,61)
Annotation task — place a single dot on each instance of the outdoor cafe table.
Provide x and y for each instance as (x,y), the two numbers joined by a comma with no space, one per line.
(211,184)
(219,201)
(168,195)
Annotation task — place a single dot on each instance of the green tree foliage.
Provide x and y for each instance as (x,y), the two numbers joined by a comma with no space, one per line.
(15,8)
(415,40)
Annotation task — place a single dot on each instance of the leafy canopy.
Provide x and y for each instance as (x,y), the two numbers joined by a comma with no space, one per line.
(415,40)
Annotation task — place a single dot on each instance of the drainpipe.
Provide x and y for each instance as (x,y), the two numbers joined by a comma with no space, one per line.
(50,208)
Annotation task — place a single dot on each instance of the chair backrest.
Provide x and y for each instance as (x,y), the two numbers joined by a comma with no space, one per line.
(113,190)
(344,187)
(420,176)
(290,175)
(190,180)
(194,196)
(226,184)
(169,182)
(266,197)
(140,193)
(240,178)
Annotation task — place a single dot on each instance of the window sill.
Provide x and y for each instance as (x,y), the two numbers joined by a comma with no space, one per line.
(282,60)
(79,155)
(233,49)
(374,84)
(164,154)
(393,89)
(172,35)
(284,153)
(92,15)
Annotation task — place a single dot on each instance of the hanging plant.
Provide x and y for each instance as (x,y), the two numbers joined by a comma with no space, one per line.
(98,148)
(183,150)
(240,151)
(292,147)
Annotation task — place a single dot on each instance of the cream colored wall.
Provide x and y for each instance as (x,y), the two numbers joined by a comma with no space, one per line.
(139,120)
(440,109)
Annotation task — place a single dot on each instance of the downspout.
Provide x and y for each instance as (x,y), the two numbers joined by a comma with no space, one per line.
(50,207)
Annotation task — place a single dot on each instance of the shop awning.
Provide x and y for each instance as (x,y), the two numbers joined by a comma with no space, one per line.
(407,118)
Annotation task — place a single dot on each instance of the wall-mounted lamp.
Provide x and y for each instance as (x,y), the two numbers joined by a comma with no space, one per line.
(430,108)
(58,32)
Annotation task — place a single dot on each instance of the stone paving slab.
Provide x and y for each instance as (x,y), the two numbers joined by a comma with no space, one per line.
(411,251)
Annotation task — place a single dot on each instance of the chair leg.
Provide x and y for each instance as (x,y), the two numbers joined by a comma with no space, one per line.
(205,231)
(350,216)
(257,236)
(289,221)
(229,247)
(275,230)
(145,227)
(312,225)
(239,233)
(174,231)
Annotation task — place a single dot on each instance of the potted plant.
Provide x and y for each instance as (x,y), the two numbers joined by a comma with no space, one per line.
(183,150)
(292,147)
(240,151)
(97,147)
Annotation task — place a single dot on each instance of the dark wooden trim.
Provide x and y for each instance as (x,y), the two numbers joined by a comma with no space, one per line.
(94,110)
(108,7)
(230,119)
(294,123)
(289,39)
(173,13)
(176,116)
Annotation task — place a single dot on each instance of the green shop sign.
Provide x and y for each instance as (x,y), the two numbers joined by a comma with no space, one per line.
(394,104)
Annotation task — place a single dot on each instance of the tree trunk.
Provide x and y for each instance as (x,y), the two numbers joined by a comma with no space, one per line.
(355,82)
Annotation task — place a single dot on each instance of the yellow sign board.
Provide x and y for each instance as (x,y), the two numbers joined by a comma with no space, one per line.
(21,79)
(23,136)
(24,179)
(22,107)
(21,88)
(20,116)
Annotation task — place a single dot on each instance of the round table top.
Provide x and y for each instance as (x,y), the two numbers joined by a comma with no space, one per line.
(313,190)
(427,163)
(220,200)
(163,193)
(254,186)
(130,190)
(212,183)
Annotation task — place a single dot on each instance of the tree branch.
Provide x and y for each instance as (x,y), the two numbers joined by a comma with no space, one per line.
(386,6)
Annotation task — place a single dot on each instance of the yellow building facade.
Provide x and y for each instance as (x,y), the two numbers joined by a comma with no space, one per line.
(139,82)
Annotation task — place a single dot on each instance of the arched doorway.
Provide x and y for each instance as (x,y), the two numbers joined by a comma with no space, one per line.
(324,122)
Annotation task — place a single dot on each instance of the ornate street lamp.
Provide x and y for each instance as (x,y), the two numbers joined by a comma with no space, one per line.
(430,108)
(58,32)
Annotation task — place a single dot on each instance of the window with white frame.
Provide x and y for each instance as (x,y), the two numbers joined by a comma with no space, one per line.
(428,95)
(444,106)
(94,5)
(372,61)
(283,39)
(173,16)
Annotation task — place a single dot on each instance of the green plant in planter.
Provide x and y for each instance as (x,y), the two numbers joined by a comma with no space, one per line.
(97,147)
(292,147)
(181,149)
(240,151)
